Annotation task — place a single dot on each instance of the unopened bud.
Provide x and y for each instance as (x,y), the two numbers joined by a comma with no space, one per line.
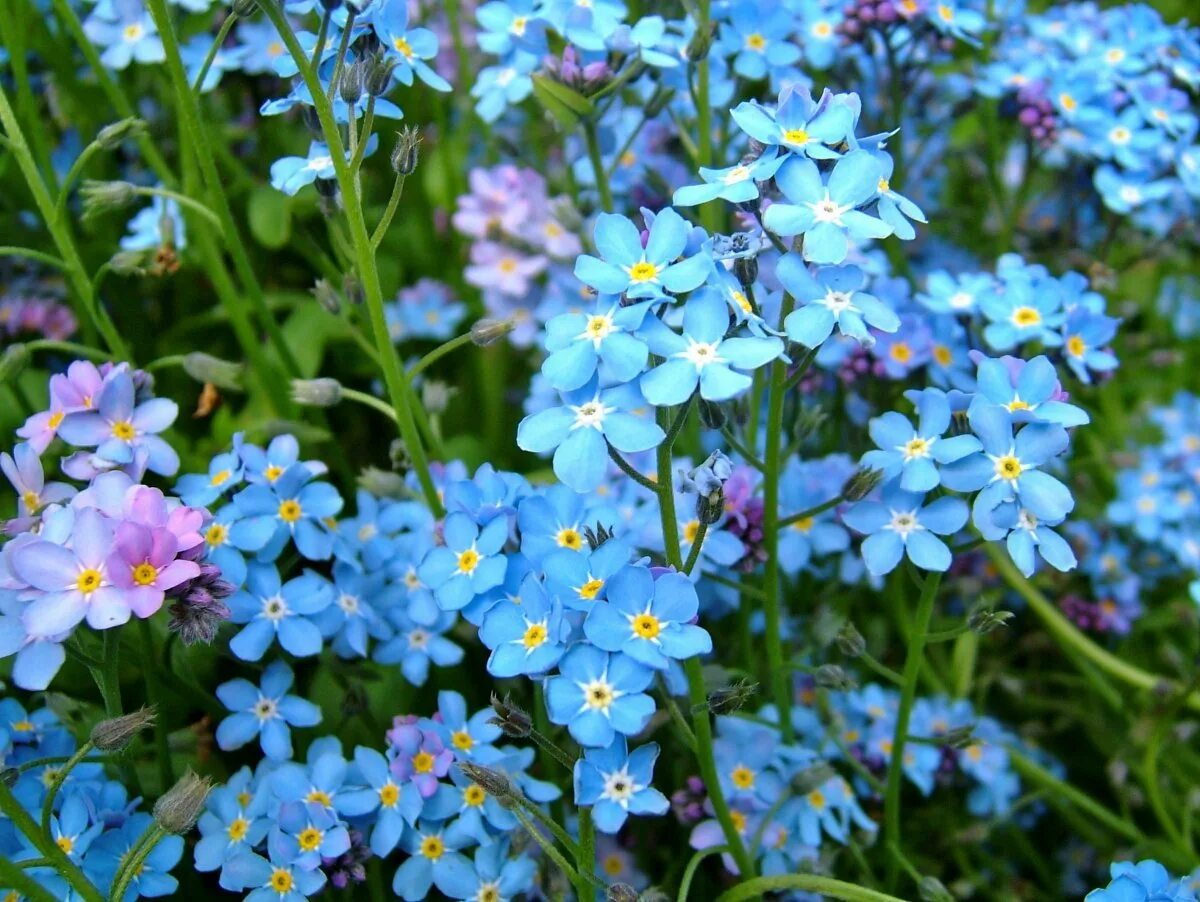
(698,47)
(407,152)
(435,396)
(101,197)
(378,74)
(494,782)
(930,889)
(862,483)
(114,734)
(986,621)
(329,196)
(128,263)
(621,892)
(812,778)
(960,737)
(326,295)
(658,102)
(712,415)
(597,535)
(732,698)
(111,136)
(179,808)
(206,368)
(746,270)
(488,331)
(316,392)
(850,641)
(13,362)
(511,720)
(382,483)
(350,86)
(831,676)
(352,288)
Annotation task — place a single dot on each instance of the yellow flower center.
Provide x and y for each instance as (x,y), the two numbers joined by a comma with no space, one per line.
(1008,467)
(468,560)
(474,795)
(589,590)
(274,49)
(309,839)
(884,186)
(756,42)
(916,447)
(319,797)
(742,776)
(942,355)
(220,477)
(144,574)
(23,726)
(289,511)
(743,302)
(273,472)
(647,626)
(795,136)
(422,762)
(690,530)
(804,524)
(216,534)
(945,13)
(462,741)
(133,31)
(1075,346)
(822,29)
(1017,404)
(507,265)
(432,847)
(238,828)
(816,798)
(613,865)
(569,538)
(389,794)
(1026,316)
(123,430)
(534,636)
(975,752)
(643,272)
(66,843)
(403,46)
(901,352)
(281,880)
(31,501)
(598,695)
(55,420)
(89,581)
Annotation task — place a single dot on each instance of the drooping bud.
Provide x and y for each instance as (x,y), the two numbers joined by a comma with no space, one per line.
(494,782)
(111,136)
(850,641)
(382,483)
(317,392)
(621,892)
(831,676)
(114,734)
(406,154)
(180,807)
(329,196)
(732,698)
(206,368)
(488,331)
(712,414)
(326,296)
(708,482)
(350,85)
(378,74)
(511,720)
(861,483)
(986,621)
(101,197)
(960,737)
(128,263)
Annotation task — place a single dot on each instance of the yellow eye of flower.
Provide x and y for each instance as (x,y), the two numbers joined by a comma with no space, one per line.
(1076,346)
(31,501)
(474,795)
(309,839)
(281,880)
(220,477)
(389,794)
(289,511)
(690,531)
(643,272)
(534,636)
(916,447)
(216,534)
(271,473)
(742,776)
(756,42)
(795,136)
(89,581)
(238,828)
(591,589)
(901,352)
(598,695)
(123,430)
(404,47)
(145,574)
(1026,316)
(433,847)
(422,762)
(55,420)
(319,797)
(647,626)
(1008,467)
(739,821)
(462,740)
(468,560)
(816,798)
(942,355)
(804,524)
(613,865)
(569,538)
(65,843)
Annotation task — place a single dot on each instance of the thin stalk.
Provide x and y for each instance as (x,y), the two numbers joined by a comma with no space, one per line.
(631,471)
(581,884)
(110,680)
(64,190)
(190,202)
(340,60)
(586,860)
(30,254)
(593,148)
(364,138)
(694,553)
(11,875)
(908,692)
(1062,794)
(813,883)
(693,865)
(385,222)
(44,843)
(811,512)
(134,859)
(368,400)
(60,777)
(222,34)
(437,354)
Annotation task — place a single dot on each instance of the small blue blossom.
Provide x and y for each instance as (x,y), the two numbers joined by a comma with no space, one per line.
(913,453)
(597,695)
(265,712)
(616,783)
(901,524)
(642,270)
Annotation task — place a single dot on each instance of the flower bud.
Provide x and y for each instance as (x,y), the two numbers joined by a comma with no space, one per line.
(984,621)
(378,74)
(128,263)
(621,892)
(209,369)
(179,808)
(960,737)
(382,483)
(861,483)
(327,296)
(712,414)
(352,288)
(658,102)
(812,778)
(494,782)
(114,734)
(101,197)
(746,270)
(701,42)
(244,9)
(111,136)
(511,720)
(350,85)
(488,331)
(597,535)
(316,392)
(850,641)
(732,698)
(13,362)
(831,676)
(930,889)
(435,396)
(406,154)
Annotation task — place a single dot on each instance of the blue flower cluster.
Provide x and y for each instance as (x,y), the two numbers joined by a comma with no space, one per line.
(289,828)
(93,821)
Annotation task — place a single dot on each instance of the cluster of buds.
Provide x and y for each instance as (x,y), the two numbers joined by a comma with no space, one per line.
(199,608)
(859,16)
(586,79)
(708,482)
(1037,114)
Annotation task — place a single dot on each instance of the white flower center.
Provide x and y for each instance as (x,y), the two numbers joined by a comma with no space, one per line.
(838,301)
(828,210)
(701,354)
(619,787)
(591,415)
(904,523)
(274,608)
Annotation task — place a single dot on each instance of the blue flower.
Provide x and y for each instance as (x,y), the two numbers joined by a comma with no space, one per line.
(1085,340)
(127,33)
(649,620)
(434,861)
(316,830)
(578,342)
(902,524)
(587,26)
(912,453)
(825,211)
(276,880)
(626,266)
(392,805)
(152,880)
(353,617)
(556,519)
(234,821)
(800,125)
(201,490)
(1145,881)
(736,184)
(616,784)
(498,87)
(702,356)
(580,579)
(598,695)
(1022,312)
(831,297)
(500,876)
(528,637)
(1029,390)
(1008,467)
(408,47)
(508,25)
(1026,537)
(581,429)
(416,646)
(266,712)
(279,611)
(301,509)
(290,174)
(759,39)
(468,564)
(957,294)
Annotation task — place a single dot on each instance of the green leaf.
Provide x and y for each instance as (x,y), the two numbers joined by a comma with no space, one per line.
(567,105)
(270,215)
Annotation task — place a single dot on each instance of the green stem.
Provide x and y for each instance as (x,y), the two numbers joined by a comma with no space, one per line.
(162,748)
(75,271)
(1063,794)
(694,553)
(631,471)
(364,137)
(693,865)
(826,886)
(12,876)
(44,843)
(437,354)
(811,512)
(1069,636)
(134,859)
(222,34)
(710,212)
(551,851)
(368,400)
(772,582)
(586,861)
(60,777)
(110,673)
(183,200)
(30,254)
(908,692)
(392,205)
(64,190)
(593,149)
